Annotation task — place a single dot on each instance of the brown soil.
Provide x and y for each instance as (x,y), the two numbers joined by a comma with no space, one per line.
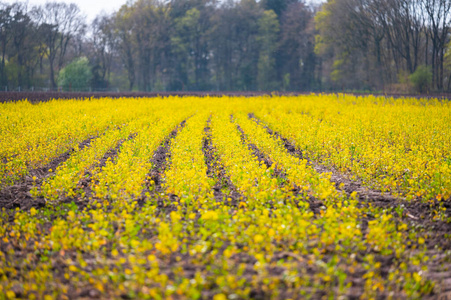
(340,180)
(18,195)
(415,210)
(314,203)
(224,189)
(419,214)
(85,183)
(159,161)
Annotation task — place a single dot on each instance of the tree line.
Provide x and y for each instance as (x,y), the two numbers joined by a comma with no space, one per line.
(386,44)
(244,45)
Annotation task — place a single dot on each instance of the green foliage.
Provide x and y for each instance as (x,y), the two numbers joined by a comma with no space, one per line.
(322,40)
(187,35)
(286,81)
(76,75)
(447,58)
(267,37)
(421,79)
(336,74)
(403,77)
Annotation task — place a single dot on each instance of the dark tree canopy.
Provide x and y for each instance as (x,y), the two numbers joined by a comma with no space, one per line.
(245,45)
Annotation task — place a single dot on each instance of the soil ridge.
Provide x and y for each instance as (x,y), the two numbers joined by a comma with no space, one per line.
(160,160)
(279,173)
(215,170)
(18,195)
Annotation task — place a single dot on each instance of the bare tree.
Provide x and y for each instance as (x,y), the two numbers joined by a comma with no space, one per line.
(438,22)
(59,23)
(104,45)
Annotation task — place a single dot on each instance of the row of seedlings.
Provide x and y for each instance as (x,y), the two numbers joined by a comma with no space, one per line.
(82,164)
(186,176)
(44,131)
(397,146)
(251,177)
(125,177)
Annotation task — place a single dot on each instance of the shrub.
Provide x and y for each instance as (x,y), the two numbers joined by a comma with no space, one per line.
(421,79)
(76,76)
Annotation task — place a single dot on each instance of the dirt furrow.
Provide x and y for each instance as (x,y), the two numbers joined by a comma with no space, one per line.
(418,214)
(18,195)
(159,162)
(85,183)
(414,210)
(314,204)
(224,189)
(262,158)
(340,180)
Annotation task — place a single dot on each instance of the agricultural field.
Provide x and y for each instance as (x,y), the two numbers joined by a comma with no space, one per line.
(266,197)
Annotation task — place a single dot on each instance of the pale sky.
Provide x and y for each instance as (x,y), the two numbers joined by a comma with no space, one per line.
(91,8)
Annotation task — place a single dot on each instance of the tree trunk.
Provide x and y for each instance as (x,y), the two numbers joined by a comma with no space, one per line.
(441,62)
(52,74)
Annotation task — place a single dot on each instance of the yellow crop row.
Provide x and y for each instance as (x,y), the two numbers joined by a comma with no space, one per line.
(124,177)
(186,176)
(297,171)
(69,173)
(271,245)
(32,135)
(399,146)
(251,177)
